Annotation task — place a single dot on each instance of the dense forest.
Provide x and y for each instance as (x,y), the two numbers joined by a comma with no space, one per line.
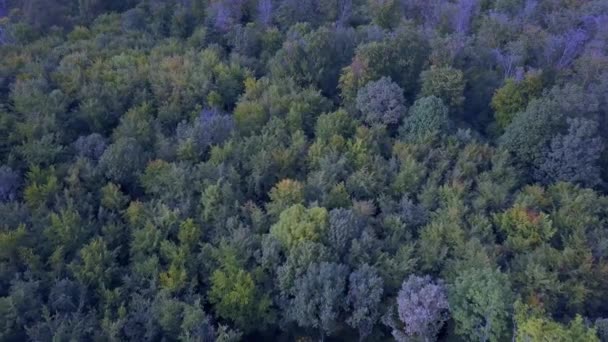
(304,170)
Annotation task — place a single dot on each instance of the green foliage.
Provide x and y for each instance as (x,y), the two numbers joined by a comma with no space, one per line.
(445,83)
(250,117)
(298,223)
(112,198)
(319,297)
(385,14)
(215,170)
(531,130)
(427,118)
(235,297)
(532,325)
(283,195)
(480,302)
(42,185)
(314,56)
(513,97)
(524,228)
(401,57)
(96,266)
(123,160)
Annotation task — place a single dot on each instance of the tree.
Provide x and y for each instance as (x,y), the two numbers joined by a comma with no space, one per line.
(338,123)
(514,96)
(524,228)
(423,308)
(66,296)
(532,325)
(196,325)
(96,267)
(226,170)
(314,57)
(21,308)
(9,184)
(134,19)
(298,260)
(315,12)
(344,227)
(601,326)
(562,49)
(297,224)
(42,186)
(465,9)
(427,118)
(236,297)
(123,160)
(91,146)
(480,301)
(400,56)
(140,322)
(42,14)
(283,195)
(249,116)
(320,297)
(385,13)
(381,102)
(445,83)
(573,157)
(211,127)
(365,290)
(169,182)
(413,215)
(531,131)
(76,327)
(264,12)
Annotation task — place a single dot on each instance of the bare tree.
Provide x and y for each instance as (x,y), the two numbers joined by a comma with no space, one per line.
(265,12)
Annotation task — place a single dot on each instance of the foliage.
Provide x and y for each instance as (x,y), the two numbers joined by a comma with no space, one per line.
(364,296)
(427,118)
(573,157)
(525,228)
(381,102)
(319,297)
(294,170)
(423,308)
(514,96)
(234,294)
(9,183)
(445,83)
(400,56)
(532,325)
(480,301)
(297,224)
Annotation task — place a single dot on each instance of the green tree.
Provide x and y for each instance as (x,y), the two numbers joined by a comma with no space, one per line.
(95,267)
(427,118)
(320,297)
(236,297)
(283,195)
(297,224)
(524,228)
(445,83)
(531,130)
(400,57)
(314,57)
(534,326)
(513,97)
(123,160)
(385,13)
(480,302)
(381,102)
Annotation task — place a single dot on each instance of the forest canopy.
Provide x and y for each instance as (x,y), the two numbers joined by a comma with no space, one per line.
(301,170)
